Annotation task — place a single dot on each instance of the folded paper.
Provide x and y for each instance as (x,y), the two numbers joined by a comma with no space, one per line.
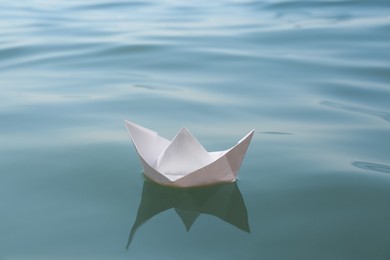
(183,162)
(223,201)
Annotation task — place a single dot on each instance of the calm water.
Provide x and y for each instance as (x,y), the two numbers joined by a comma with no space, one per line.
(312,77)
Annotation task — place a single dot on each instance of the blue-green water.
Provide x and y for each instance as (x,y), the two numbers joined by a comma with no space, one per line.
(312,77)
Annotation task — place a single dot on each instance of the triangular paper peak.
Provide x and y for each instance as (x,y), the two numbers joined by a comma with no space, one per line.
(147,142)
(182,156)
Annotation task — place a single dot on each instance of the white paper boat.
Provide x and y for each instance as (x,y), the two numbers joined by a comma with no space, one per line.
(183,162)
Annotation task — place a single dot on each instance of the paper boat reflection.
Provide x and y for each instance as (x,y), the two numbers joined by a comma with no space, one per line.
(183,162)
(223,201)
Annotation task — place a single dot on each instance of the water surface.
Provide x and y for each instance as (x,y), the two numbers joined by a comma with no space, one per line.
(312,77)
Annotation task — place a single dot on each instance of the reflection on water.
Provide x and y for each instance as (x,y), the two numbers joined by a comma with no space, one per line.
(223,201)
(376,167)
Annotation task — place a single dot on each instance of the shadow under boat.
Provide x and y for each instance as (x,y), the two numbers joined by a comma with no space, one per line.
(222,200)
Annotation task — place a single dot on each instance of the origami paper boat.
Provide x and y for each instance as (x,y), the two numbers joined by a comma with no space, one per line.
(183,162)
(223,201)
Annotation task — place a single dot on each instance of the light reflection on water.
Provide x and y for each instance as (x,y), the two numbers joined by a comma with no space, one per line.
(312,77)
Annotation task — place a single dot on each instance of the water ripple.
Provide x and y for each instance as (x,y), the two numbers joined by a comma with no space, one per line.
(376,167)
(381,114)
(104,5)
(323,3)
(275,133)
